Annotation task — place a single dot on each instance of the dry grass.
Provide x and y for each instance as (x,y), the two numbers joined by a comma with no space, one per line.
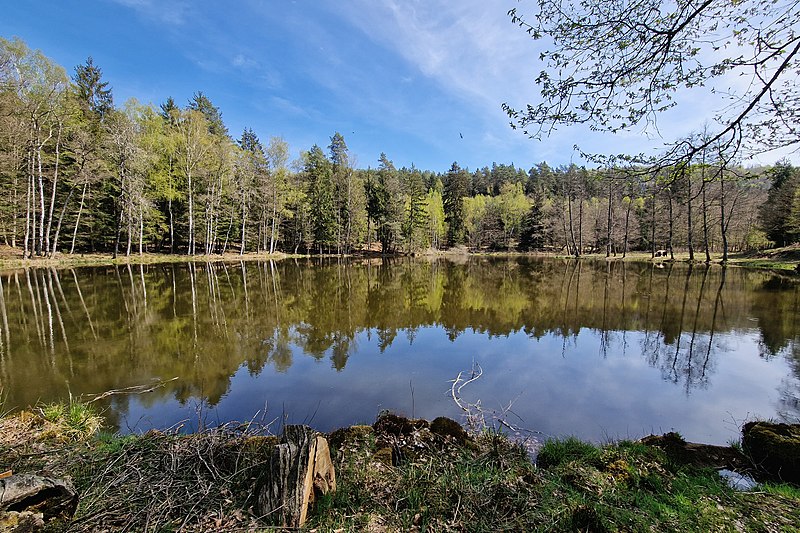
(168,481)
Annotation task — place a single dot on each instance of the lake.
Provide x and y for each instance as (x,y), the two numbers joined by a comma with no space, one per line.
(592,349)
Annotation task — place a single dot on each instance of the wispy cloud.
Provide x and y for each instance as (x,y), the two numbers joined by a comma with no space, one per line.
(469,47)
(172,12)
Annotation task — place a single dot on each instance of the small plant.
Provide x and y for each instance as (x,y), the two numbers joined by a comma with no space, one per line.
(72,420)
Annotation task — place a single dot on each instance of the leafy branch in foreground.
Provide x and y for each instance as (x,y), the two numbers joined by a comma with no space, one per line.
(615,65)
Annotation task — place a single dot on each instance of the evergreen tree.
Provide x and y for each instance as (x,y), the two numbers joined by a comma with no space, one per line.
(201,102)
(777,210)
(168,110)
(414,221)
(532,236)
(390,189)
(342,176)
(456,187)
(93,94)
(322,210)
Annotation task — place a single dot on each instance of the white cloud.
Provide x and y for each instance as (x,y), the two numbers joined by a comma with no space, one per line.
(469,47)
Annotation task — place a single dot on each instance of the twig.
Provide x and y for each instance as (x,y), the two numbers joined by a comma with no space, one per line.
(136,389)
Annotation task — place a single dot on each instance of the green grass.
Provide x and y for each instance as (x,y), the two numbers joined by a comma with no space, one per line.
(73,419)
(419,481)
(782,489)
(624,486)
(556,452)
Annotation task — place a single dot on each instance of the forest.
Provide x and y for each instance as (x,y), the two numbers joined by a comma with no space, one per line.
(81,174)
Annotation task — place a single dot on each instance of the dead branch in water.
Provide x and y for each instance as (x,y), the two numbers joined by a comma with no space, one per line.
(135,389)
(478,418)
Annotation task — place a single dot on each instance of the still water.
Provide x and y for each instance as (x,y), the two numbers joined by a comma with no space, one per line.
(593,349)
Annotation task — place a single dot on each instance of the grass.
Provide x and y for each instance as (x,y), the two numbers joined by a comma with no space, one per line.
(784,259)
(73,420)
(10,259)
(492,485)
(401,477)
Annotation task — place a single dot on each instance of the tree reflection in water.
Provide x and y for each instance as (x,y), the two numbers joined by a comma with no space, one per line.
(86,330)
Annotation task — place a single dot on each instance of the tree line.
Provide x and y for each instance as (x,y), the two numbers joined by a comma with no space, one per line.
(82,174)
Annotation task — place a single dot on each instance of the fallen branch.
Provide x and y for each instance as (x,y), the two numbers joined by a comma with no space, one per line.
(135,389)
(479,418)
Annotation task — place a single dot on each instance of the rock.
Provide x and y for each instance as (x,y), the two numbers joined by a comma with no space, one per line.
(698,455)
(24,522)
(54,498)
(447,427)
(774,449)
(349,435)
(396,425)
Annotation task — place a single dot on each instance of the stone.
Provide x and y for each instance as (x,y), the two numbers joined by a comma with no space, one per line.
(774,449)
(52,497)
(447,427)
(24,522)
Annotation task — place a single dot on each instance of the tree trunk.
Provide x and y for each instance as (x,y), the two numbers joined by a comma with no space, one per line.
(299,469)
(627,220)
(690,242)
(575,249)
(191,215)
(723,225)
(653,226)
(671,224)
(58,224)
(580,227)
(141,228)
(27,219)
(77,220)
(705,219)
(610,212)
(53,193)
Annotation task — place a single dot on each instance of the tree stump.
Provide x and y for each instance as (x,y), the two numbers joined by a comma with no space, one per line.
(300,468)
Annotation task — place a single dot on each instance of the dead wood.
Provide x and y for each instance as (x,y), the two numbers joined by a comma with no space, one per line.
(299,469)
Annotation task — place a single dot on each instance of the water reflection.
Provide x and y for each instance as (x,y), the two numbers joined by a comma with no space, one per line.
(218,325)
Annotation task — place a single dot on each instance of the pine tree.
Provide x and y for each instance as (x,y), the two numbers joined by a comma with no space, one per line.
(94,95)
(201,102)
(533,229)
(323,216)
(456,187)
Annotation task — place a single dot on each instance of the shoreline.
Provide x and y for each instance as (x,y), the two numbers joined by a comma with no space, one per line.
(783,260)
(397,474)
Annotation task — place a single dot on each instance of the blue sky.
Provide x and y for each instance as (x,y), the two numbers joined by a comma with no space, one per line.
(421,80)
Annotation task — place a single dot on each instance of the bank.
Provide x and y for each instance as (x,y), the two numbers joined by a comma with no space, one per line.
(779,259)
(394,475)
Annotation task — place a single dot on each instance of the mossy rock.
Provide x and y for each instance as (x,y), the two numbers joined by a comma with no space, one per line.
(349,435)
(384,456)
(447,427)
(774,448)
(681,452)
(397,425)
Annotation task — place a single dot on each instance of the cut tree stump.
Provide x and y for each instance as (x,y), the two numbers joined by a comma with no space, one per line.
(300,468)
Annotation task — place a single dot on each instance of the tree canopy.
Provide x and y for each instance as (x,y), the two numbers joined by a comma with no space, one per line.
(615,65)
(80,173)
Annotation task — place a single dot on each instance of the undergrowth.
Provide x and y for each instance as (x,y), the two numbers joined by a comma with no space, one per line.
(493,486)
(397,475)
